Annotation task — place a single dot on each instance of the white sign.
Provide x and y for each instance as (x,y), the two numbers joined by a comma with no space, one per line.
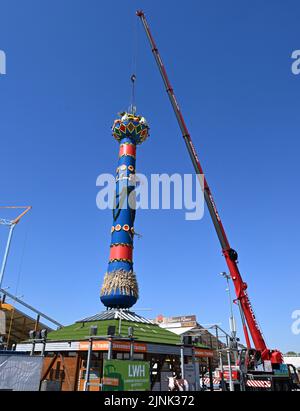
(268,366)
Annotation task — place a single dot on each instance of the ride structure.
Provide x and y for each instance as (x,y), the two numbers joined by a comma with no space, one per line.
(231,256)
(120,287)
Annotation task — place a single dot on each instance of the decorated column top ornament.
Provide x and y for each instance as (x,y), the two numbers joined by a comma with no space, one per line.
(120,287)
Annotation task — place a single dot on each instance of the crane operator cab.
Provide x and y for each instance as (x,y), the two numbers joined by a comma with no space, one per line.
(250,360)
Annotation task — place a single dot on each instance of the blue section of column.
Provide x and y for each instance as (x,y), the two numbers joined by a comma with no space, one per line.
(120,288)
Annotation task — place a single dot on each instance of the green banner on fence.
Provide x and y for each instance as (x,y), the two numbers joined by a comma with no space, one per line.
(123,375)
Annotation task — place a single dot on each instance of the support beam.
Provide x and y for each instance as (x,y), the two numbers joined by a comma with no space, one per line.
(46,317)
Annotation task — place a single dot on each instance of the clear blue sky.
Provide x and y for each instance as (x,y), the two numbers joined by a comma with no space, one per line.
(68,68)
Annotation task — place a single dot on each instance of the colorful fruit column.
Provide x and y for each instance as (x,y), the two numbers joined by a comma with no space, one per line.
(120,288)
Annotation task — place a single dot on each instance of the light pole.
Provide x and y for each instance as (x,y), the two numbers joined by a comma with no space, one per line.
(93,333)
(232,325)
(232,322)
(130,335)
(230,370)
(182,357)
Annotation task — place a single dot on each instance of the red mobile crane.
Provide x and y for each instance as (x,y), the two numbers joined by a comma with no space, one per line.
(230,254)
(247,314)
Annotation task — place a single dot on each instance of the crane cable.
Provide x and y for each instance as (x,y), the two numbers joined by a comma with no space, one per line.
(132,107)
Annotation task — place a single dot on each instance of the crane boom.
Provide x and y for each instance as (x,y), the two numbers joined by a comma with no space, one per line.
(230,254)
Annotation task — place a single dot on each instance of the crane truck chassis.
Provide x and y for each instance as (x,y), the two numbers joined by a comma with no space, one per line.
(251,374)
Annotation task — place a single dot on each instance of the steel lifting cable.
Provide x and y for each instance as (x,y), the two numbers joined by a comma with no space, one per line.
(134,67)
(133,107)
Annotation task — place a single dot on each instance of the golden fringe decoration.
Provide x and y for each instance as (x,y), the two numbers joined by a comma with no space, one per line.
(123,280)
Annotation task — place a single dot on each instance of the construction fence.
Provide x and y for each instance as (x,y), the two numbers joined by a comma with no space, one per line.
(20,372)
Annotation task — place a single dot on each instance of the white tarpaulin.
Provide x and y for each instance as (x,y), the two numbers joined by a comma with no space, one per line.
(20,372)
(295,360)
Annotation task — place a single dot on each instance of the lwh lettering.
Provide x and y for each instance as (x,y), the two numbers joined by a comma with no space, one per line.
(136,371)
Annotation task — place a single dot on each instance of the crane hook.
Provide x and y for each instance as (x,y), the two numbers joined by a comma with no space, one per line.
(133,107)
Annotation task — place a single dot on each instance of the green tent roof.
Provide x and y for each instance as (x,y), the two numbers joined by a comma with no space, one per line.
(149,333)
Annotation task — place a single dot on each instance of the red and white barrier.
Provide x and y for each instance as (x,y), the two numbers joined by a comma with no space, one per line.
(206,381)
(259,383)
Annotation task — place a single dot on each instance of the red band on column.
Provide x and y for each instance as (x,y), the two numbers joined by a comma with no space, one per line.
(127,149)
(120,251)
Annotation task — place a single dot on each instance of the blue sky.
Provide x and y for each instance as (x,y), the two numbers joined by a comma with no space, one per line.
(68,69)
